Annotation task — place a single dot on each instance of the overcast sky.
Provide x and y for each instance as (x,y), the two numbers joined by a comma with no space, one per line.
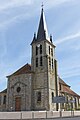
(19,20)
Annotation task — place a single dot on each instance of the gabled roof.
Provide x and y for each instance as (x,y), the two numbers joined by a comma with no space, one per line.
(69,91)
(42,33)
(66,89)
(4,91)
(62,82)
(23,70)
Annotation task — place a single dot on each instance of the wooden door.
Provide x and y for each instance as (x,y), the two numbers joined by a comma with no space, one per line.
(18,104)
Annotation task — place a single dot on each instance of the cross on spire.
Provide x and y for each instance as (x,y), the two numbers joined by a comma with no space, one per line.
(42,5)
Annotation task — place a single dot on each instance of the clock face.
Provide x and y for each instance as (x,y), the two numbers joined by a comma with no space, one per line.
(38,45)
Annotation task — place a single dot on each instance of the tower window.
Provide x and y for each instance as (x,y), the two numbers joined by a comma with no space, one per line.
(52,97)
(40,49)
(0,100)
(36,50)
(60,87)
(36,62)
(52,63)
(4,100)
(41,62)
(49,61)
(49,49)
(39,97)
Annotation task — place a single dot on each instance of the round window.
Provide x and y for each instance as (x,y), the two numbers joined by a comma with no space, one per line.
(18,89)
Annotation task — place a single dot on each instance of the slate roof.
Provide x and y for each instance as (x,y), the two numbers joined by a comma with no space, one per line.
(42,33)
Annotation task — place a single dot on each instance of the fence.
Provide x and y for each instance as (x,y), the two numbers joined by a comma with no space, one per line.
(37,114)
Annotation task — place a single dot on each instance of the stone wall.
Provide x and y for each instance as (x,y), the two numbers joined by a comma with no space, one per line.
(24,82)
(37,115)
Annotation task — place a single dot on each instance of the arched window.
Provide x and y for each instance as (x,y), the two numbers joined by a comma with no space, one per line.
(36,62)
(52,51)
(49,50)
(49,62)
(52,63)
(36,50)
(4,100)
(0,100)
(52,96)
(41,61)
(40,49)
(39,96)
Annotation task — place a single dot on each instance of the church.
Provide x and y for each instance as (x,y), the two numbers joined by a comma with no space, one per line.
(33,87)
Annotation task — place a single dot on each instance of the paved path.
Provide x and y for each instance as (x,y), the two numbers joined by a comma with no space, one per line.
(73,118)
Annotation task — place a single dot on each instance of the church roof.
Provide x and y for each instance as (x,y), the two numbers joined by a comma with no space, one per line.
(66,88)
(69,91)
(42,33)
(4,91)
(62,82)
(23,70)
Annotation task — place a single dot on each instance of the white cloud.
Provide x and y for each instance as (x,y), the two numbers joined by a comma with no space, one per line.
(6,7)
(68,38)
(5,24)
(71,74)
(71,70)
(13,3)
(52,3)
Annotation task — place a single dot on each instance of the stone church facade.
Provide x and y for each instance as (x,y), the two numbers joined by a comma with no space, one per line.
(34,86)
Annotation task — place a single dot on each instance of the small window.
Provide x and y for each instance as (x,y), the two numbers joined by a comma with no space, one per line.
(4,100)
(52,63)
(0,100)
(40,49)
(18,89)
(41,62)
(39,97)
(36,62)
(60,87)
(49,49)
(49,61)
(36,50)
(52,97)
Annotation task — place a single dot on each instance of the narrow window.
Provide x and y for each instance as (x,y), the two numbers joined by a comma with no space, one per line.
(52,63)
(39,97)
(49,49)
(49,61)
(0,100)
(36,50)
(52,97)
(36,62)
(4,100)
(40,49)
(41,62)
(60,87)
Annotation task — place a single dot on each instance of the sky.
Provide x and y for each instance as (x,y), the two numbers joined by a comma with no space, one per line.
(19,19)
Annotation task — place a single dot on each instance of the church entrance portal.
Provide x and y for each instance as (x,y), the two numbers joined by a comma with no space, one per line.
(18,104)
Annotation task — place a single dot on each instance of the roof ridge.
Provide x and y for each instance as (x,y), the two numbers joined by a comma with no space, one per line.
(22,70)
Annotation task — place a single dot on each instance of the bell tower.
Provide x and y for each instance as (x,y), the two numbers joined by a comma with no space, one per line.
(43,78)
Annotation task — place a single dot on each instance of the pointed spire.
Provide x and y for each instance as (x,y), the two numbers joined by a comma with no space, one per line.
(42,33)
